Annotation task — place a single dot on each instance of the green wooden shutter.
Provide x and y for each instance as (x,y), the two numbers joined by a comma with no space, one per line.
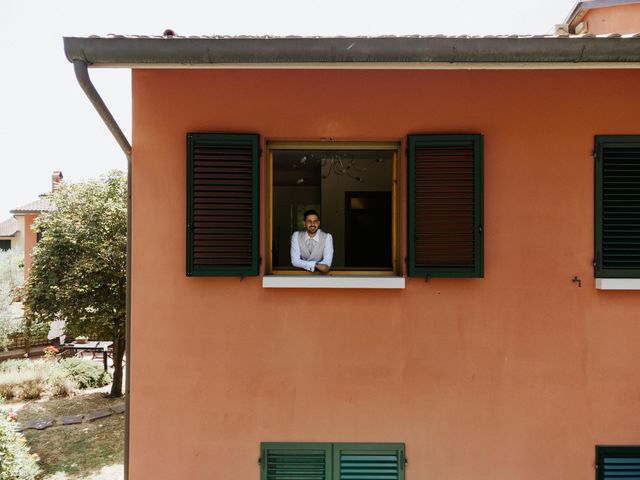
(445,206)
(617,206)
(617,463)
(368,461)
(222,204)
(295,461)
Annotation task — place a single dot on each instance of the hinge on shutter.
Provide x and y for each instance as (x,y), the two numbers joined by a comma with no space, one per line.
(190,226)
(262,463)
(479,228)
(598,259)
(595,156)
(403,461)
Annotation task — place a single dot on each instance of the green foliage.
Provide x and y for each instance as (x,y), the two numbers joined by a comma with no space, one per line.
(32,386)
(61,385)
(25,379)
(11,280)
(16,463)
(85,374)
(31,379)
(78,270)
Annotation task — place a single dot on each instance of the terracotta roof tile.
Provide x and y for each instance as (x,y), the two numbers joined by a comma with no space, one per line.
(40,205)
(9,227)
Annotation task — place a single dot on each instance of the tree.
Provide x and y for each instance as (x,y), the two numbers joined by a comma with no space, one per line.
(11,280)
(78,269)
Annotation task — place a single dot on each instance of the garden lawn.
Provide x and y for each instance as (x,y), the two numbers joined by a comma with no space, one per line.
(76,451)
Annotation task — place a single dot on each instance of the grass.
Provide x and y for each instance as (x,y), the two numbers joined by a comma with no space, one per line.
(76,451)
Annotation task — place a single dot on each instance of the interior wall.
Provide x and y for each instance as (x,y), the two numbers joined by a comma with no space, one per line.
(376,178)
(284,218)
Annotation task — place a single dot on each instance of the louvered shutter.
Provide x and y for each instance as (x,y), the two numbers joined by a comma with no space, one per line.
(617,207)
(222,204)
(618,463)
(368,461)
(295,461)
(445,205)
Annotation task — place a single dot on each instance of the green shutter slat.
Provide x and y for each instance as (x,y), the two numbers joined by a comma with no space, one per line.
(445,205)
(618,463)
(617,207)
(222,204)
(369,461)
(296,461)
(327,461)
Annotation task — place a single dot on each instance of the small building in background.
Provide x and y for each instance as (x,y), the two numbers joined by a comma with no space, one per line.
(599,17)
(9,234)
(24,238)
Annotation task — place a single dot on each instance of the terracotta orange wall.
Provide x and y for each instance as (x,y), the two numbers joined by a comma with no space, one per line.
(617,19)
(30,240)
(517,375)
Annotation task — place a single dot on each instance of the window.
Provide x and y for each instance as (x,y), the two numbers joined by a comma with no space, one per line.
(352,186)
(445,207)
(332,461)
(617,206)
(614,462)
(222,204)
(5,245)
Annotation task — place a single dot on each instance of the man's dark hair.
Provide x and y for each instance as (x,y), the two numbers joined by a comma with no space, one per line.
(311,211)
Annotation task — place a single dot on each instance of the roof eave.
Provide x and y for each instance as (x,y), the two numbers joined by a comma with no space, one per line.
(353,52)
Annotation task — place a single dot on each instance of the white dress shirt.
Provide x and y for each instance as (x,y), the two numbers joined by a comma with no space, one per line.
(327,254)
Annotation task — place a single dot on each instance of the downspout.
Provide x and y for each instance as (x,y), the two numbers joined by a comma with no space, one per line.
(82,75)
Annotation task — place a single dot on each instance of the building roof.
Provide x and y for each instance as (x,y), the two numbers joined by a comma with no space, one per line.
(9,227)
(439,51)
(581,8)
(37,206)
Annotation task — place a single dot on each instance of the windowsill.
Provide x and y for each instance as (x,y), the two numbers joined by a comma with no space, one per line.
(318,281)
(618,283)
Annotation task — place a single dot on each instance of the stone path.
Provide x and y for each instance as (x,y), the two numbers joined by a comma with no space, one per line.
(43,423)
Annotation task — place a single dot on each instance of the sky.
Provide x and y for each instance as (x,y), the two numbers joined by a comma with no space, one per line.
(47,123)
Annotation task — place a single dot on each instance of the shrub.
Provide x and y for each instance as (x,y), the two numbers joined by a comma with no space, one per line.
(15,461)
(29,379)
(32,386)
(24,379)
(85,374)
(11,280)
(62,385)
(41,367)
(9,383)
(8,366)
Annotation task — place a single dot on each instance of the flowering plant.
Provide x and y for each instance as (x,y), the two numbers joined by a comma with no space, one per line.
(50,351)
(12,416)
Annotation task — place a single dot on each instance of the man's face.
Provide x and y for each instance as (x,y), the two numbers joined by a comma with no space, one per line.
(311,224)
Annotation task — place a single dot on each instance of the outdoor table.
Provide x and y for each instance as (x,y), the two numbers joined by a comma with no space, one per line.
(100,346)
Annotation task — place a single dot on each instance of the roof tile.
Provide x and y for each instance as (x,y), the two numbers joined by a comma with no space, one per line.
(9,227)
(40,205)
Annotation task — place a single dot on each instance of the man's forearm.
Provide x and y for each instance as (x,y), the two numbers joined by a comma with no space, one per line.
(304,264)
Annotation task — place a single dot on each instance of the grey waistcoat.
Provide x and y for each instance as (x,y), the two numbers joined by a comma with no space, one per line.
(315,254)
